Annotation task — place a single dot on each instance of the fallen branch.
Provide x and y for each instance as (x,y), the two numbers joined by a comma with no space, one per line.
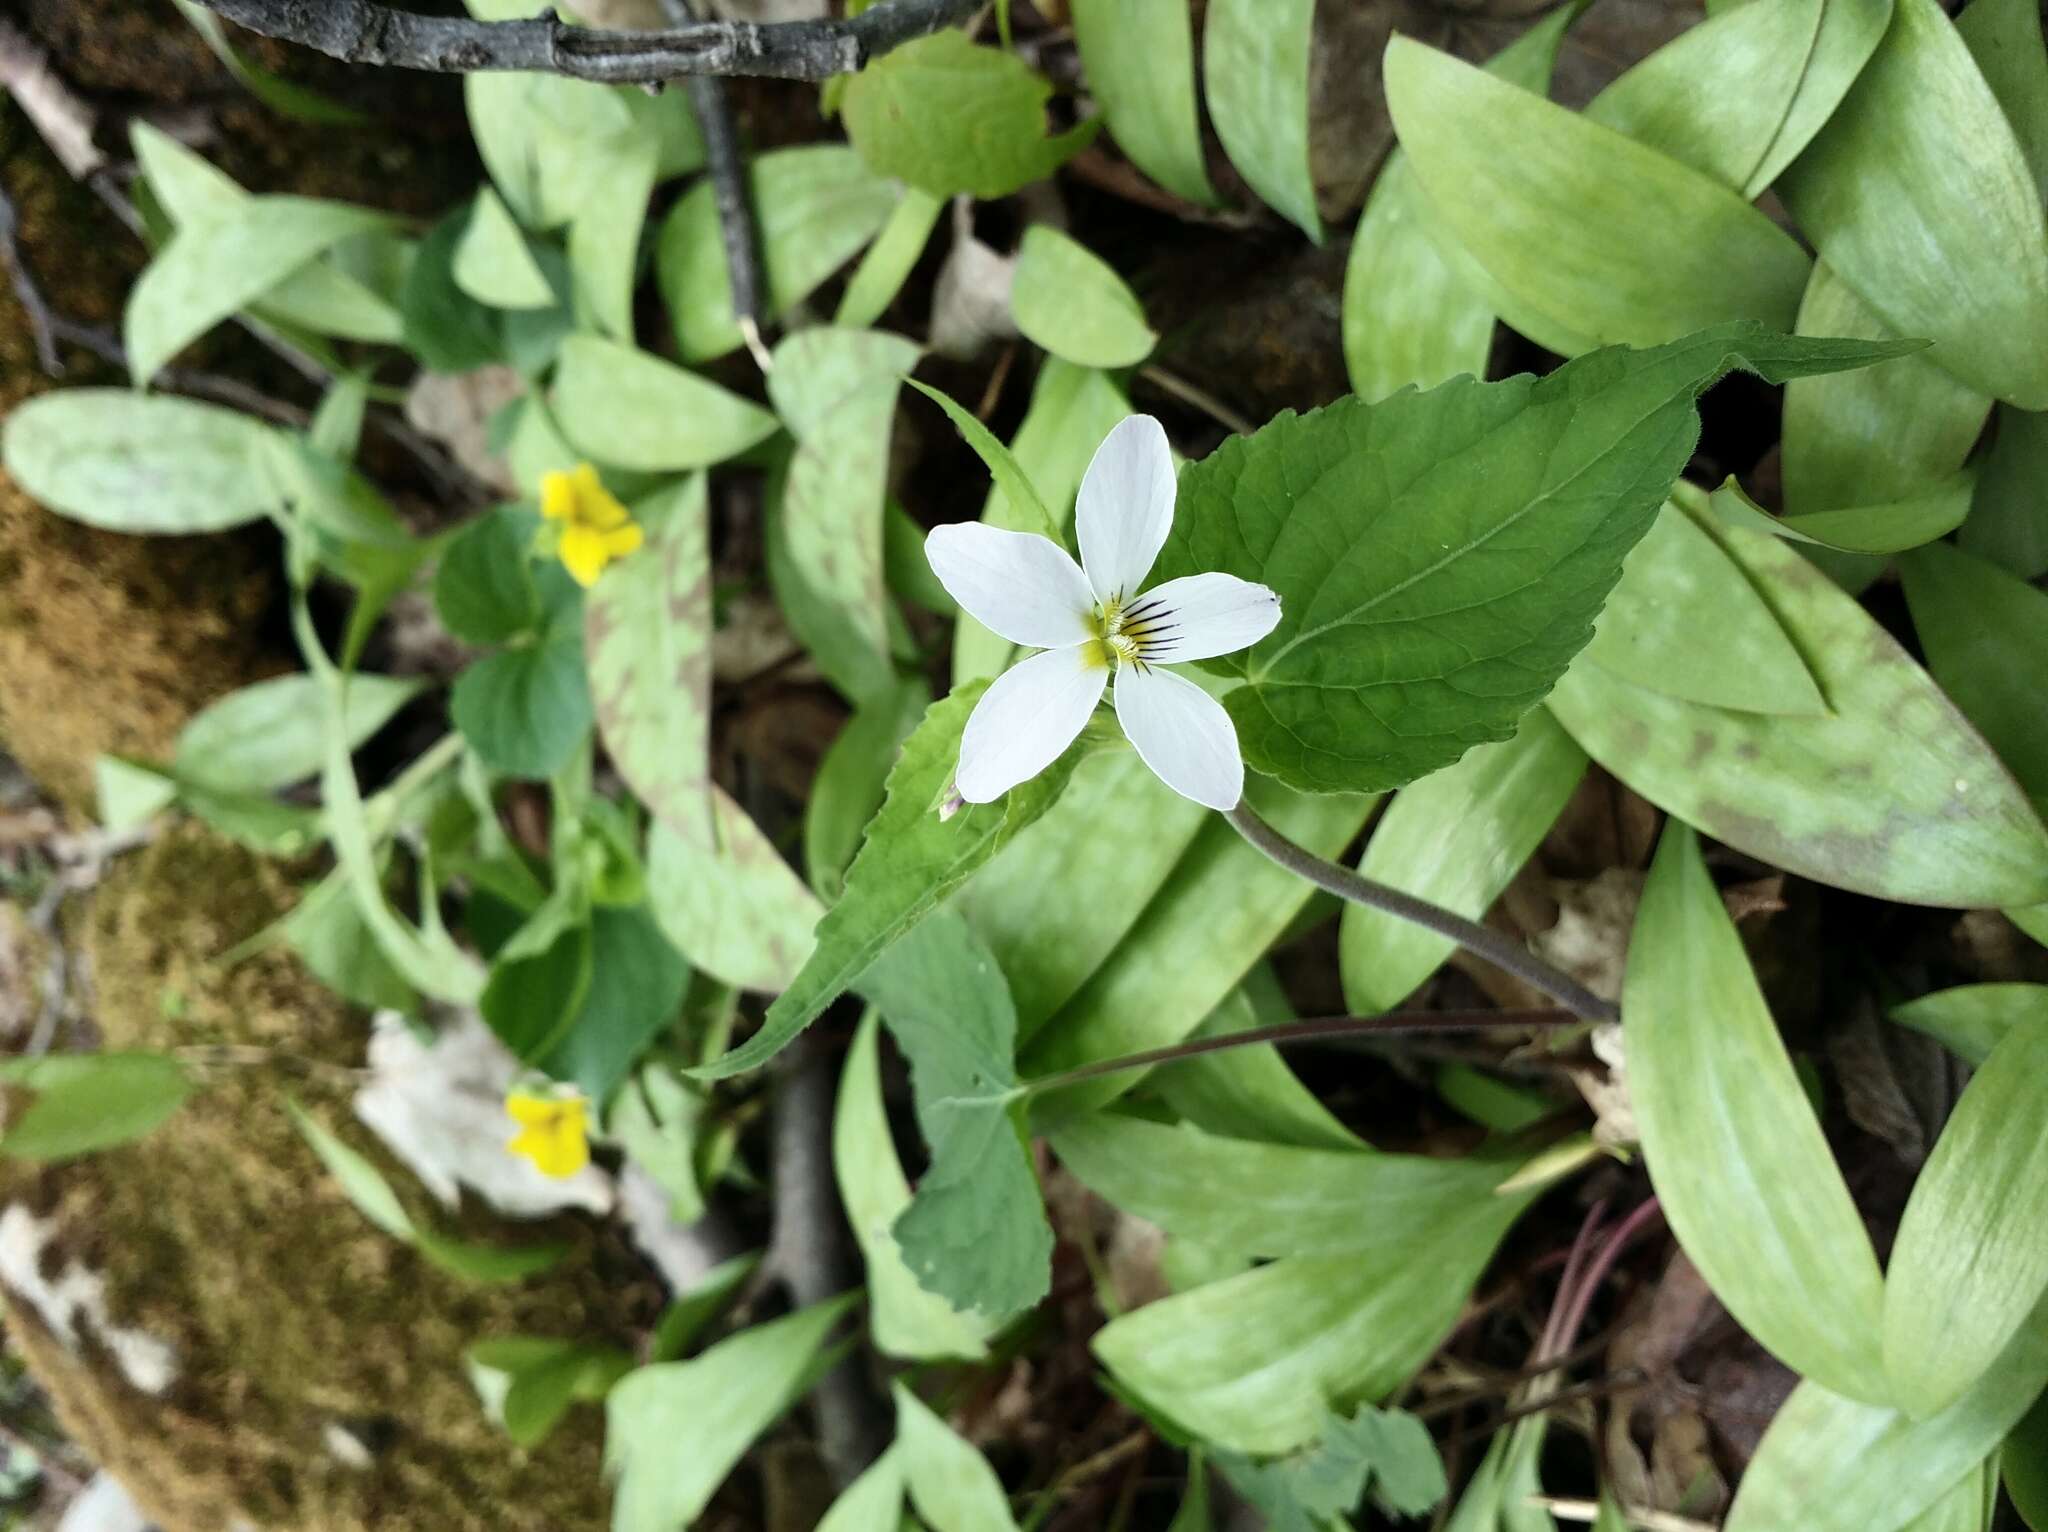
(366,32)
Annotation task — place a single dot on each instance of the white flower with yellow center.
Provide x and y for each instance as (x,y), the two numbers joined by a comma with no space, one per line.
(1093,621)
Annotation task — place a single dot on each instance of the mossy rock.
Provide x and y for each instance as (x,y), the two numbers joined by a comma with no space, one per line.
(316,1381)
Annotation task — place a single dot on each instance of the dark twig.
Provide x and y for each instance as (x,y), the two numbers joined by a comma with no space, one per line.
(365,32)
(1509,956)
(26,293)
(712,103)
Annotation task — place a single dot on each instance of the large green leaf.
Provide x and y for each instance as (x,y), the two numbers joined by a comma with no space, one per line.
(647,646)
(948,116)
(90,1101)
(604,236)
(1587,236)
(1255,66)
(130,463)
(1440,557)
(726,897)
(269,735)
(1456,838)
(1830,1464)
(717,1402)
(1069,300)
(1971,1019)
(1738,1159)
(1986,636)
(1892,793)
(814,207)
(620,405)
(1139,56)
(1917,193)
(1971,1259)
(912,859)
(904,1319)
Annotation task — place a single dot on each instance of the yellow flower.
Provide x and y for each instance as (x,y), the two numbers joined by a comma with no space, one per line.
(553,1131)
(595,528)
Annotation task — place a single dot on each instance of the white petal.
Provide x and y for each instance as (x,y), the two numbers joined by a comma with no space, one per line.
(1182,733)
(1023,587)
(1023,722)
(1200,616)
(1125,508)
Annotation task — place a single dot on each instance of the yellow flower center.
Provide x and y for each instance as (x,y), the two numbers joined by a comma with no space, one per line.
(593,527)
(553,1131)
(1124,628)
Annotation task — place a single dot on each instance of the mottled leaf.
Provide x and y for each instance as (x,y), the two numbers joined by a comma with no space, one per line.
(728,900)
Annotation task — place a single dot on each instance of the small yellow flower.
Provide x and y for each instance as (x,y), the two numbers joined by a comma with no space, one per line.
(595,528)
(553,1131)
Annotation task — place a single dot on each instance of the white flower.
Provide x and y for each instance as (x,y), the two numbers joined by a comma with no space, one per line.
(1091,620)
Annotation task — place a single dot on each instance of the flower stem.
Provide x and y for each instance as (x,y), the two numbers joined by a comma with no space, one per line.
(1506,955)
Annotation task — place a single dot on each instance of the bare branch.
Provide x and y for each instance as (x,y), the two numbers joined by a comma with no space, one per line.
(367,32)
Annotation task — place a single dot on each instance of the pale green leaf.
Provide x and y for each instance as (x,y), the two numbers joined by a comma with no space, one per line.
(492,263)
(90,1101)
(887,265)
(1985,633)
(1971,1259)
(1069,300)
(1456,838)
(604,236)
(1587,236)
(1722,1117)
(620,405)
(850,782)
(361,1182)
(1891,794)
(269,735)
(814,207)
(2004,37)
(1971,1019)
(717,1403)
(1247,1092)
(327,931)
(1255,68)
(129,794)
(948,1481)
(871,1503)
(1139,56)
(726,898)
(131,463)
(1917,193)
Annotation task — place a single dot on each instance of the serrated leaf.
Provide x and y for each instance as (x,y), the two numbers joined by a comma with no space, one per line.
(1985,633)
(1440,557)
(1456,838)
(728,900)
(1829,1464)
(1255,67)
(851,780)
(814,207)
(1587,236)
(1971,1019)
(647,646)
(1139,56)
(911,860)
(718,1402)
(1866,798)
(620,405)
(269,735)
(948,1481)
(949,117)
(1070,301)
(1971,1260)
(1721,1114)
(1917,193)
(131,463)
(85,1102)
(493,265)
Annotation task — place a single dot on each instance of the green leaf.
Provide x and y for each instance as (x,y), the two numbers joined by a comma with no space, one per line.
(1917,193)
(948,1481)
(129,463)
(327,930)
(1865,798)
(815,206)
(871,1503)
(622,406)
(1721,1113)
(1011,481)
(1069,300)
(905,1320)
(528,1383)
(1456,838)
(493,265)
(1971,1260)
(2004,37)
(128,793)
(851,780)
(1985,633)
(2026,1466)
(635,994)
(1440,557)
(647,646)
(718,1403)
(604,236)
(890,259)
(213,269)
(975,1234)
(725,897)
(1139,56)
(90,1101)
(1255,67)
(2008,516)
(1674,584)
(1829,1464)
(658,1121)
(361,1182)
(448,330)
(525,711)
(1302,1493)
(484,590)
(1585,236)
(1739,96)
(911,860)
(1861,529)
(490,1264)
(269,735)
(1247,1092)
(1971,1019)
(950,117)
(537,986)
(698,1306)
(284,97)
(1411,316)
